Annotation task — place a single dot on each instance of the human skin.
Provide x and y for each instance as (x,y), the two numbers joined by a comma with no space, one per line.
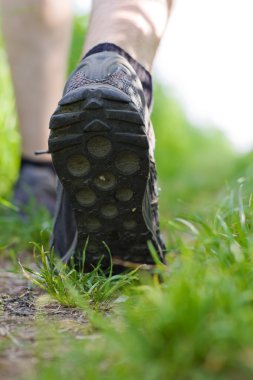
(37,38)
(137,26)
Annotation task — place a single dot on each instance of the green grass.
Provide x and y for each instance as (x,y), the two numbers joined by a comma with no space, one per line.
(74,288)
(9,138)
(196,323)
(17,236)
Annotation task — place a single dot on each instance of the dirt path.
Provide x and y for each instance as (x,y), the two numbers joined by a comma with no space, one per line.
(28,322)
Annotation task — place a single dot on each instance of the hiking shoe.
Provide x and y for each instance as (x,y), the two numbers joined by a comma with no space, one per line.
(36,184)
(102,150)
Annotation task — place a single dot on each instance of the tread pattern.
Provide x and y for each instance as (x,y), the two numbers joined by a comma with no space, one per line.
(100,153)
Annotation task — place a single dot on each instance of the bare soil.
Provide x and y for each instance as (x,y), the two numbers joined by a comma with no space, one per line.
(28,321)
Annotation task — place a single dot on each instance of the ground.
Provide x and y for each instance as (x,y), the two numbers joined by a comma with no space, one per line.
(25,313)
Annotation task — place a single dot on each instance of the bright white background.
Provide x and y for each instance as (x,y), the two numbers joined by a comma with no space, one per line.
(206,57)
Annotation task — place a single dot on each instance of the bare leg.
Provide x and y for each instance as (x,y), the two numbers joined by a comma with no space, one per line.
(37,36)
(135,25)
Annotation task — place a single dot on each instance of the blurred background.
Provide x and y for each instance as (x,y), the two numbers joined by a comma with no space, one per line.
(202,114)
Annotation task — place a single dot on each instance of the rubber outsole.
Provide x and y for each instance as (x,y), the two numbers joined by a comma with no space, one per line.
(100,153)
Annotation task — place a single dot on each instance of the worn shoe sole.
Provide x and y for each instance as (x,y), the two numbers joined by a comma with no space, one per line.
(100,152)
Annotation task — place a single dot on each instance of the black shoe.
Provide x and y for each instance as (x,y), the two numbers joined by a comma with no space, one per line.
(35,184)
(102,150)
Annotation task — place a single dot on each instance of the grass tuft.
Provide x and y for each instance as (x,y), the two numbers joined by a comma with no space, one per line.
(75,288)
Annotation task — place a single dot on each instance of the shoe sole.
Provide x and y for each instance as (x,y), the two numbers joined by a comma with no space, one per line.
(100,152)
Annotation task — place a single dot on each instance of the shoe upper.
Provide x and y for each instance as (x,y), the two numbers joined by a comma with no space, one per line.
(108,68)
(38,183)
